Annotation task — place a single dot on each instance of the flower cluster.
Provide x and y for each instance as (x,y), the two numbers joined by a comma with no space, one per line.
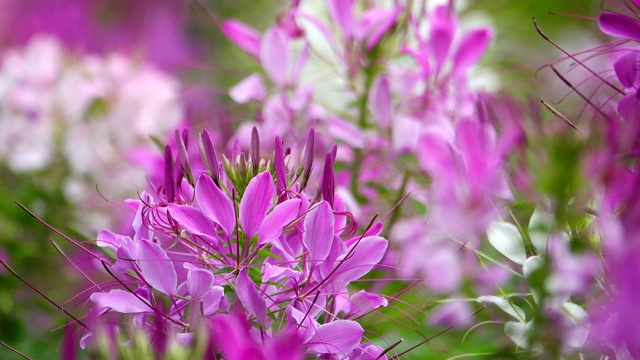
(234,249)
(404,75)
(94,116)
(516,221)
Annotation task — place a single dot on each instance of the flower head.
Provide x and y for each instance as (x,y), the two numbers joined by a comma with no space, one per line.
(251,255)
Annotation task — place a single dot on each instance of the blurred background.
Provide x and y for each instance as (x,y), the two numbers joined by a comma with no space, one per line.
(65,70)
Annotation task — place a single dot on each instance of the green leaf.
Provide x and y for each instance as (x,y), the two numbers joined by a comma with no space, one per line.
(266,253)
(507,240)
(225,270)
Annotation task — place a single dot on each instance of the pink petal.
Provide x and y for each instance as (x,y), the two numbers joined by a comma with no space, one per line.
(156,267)
(215,203)
(386,20)
(368,352)
(380,101)
(628,69)
(472,46)
(250,297)
(629,109)
(275,272)
(284,346)
(405,133)
(256,201)
(441,34)
(619,26)
(126,254)
(337,337)
(273,224)
(246,37)
(233,337)
(420,57)
(212,299)
(457,314)
(120,301)
(306,324)
(109,239)
(477,145)
(345,131)
(274,55)
(362,303)
(318,231)
(251,88)
(326,34)
(360,258)
(443,271)
(342,13)
(199,282)
(434,153)
(301,60)
(193,221)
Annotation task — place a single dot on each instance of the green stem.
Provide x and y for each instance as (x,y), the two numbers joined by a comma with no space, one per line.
(400,194)
(369,74)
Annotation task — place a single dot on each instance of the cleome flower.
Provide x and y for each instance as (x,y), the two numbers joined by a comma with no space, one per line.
(244,247)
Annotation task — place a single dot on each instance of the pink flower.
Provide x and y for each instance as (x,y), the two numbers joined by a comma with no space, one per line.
(281,257)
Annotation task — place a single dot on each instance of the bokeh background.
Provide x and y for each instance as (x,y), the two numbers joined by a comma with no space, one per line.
(182,39)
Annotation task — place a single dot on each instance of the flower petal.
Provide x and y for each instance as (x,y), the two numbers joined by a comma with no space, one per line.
(250,297)
(380,101)
(374,25)
(199,282)
(629,109)
(212,299)
(361,303)
(156,267)
(273,224)
(274,55)
(256,201)
(627,69)
(126,254)
(193,220)
(246,37)
(342,13)
(619,26)
(435,153)
(441,34)
(120,301)
(471,48)
(251,88)
(405,133)
(360,258)
(109,239)
(215,203)
(346,131)
(337,337)
(318,231)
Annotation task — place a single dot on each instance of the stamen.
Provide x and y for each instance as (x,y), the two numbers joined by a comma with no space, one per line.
(544,36)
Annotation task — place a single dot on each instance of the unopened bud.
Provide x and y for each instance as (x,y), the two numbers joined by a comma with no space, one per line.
(208,153)
(169,190)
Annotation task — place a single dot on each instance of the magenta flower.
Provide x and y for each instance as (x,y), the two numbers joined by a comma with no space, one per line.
(235,242)
(233,336)
(615,323)
(468,179)
(620,26)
